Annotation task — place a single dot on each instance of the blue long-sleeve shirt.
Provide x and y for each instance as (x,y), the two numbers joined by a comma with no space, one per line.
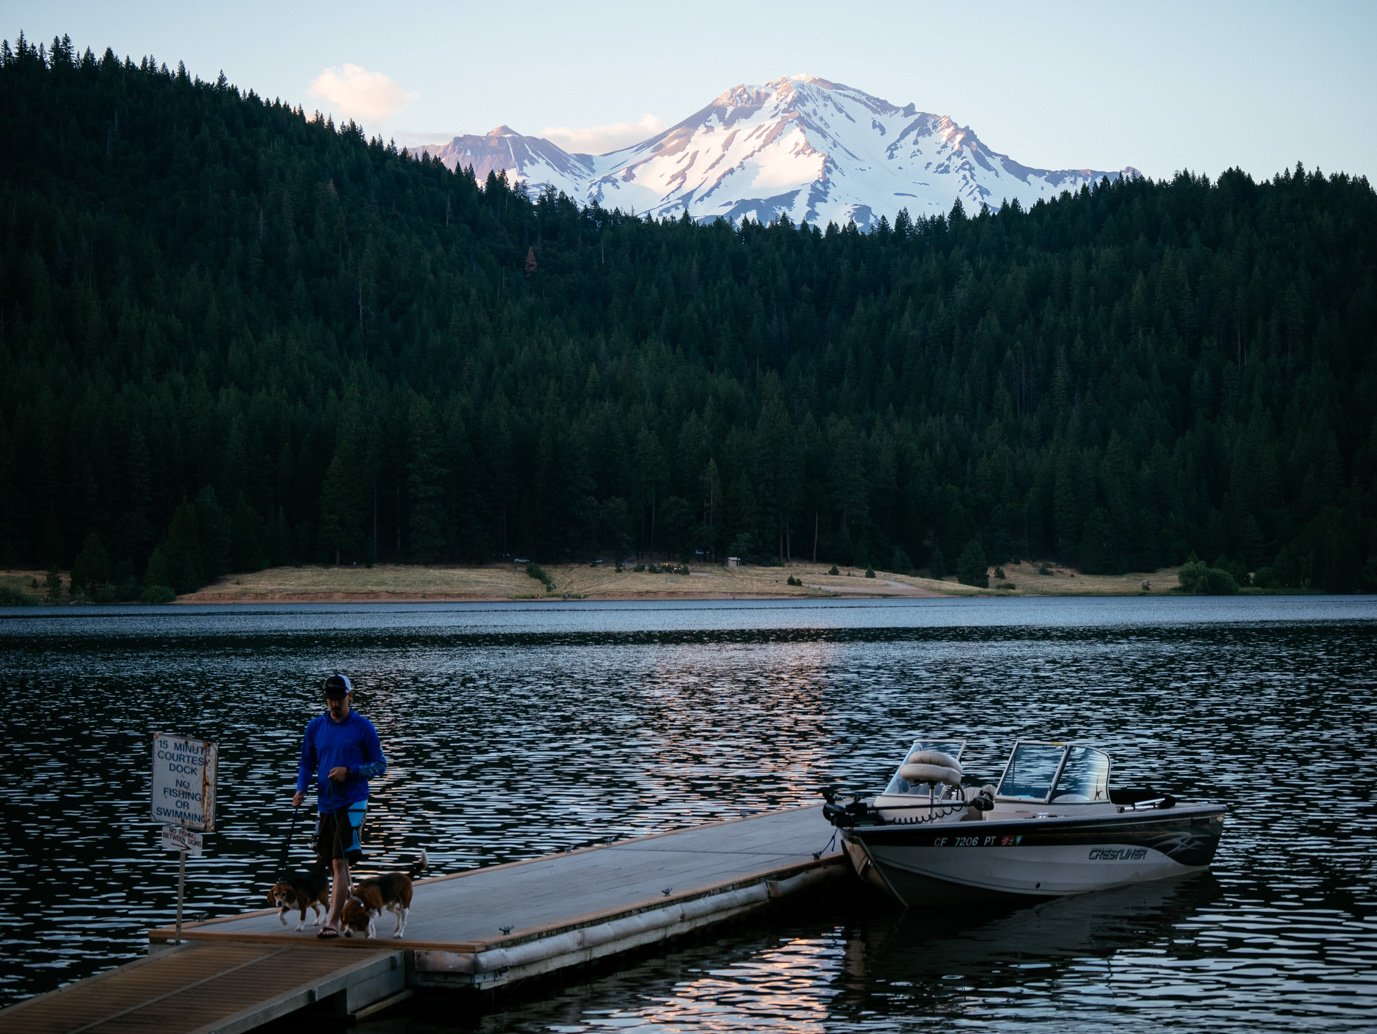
(353,744)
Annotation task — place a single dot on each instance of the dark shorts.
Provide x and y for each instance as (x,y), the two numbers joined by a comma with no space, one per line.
(339,834)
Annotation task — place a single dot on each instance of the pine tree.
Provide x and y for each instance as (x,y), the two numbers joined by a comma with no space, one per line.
(341,510)
(971,568)
(426,477)
(245,554)
(91,568)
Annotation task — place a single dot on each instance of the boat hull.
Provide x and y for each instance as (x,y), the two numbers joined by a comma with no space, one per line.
(963,861)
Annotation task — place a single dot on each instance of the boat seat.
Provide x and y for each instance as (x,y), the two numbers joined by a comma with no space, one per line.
(1070,798)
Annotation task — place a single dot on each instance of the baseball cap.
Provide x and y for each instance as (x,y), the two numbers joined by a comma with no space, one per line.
(338,685)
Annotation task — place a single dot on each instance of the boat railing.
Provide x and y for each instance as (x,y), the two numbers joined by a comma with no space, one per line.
(1133,803)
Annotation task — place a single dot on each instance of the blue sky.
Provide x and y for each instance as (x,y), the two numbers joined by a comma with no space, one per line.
(1160,86)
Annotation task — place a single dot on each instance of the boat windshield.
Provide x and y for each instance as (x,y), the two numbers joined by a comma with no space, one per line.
(901,785)
(1084,777)
(1079,773)
(1031,770)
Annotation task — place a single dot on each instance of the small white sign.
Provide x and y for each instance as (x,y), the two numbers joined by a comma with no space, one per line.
(184,781)
(179,838)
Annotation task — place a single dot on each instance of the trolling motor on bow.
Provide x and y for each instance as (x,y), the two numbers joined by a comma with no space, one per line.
(843,814)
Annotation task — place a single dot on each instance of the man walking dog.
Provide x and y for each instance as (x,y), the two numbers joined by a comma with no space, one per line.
(342,746)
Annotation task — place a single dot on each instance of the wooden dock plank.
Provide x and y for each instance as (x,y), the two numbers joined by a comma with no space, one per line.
(194,988)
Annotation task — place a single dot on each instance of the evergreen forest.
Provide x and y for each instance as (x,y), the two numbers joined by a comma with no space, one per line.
(235,334)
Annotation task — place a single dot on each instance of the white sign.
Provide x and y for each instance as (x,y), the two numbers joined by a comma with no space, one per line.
(184,781)
(179,838)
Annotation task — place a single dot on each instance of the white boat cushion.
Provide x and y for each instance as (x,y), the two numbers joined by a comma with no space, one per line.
(934,757)
(926,773)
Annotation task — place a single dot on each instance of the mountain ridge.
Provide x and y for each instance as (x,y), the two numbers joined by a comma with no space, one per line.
(802,147)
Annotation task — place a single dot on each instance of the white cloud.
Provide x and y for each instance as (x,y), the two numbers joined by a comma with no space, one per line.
(354,92)
(601,139)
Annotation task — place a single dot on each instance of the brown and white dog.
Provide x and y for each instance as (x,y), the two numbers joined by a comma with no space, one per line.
(369,898)
(301,890)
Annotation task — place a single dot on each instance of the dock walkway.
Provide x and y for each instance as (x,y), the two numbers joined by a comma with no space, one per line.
(225,988)
(481,928)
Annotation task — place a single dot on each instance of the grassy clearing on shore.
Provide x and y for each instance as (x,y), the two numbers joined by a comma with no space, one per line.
(15,585)
(502,581)
(510,581)
(1067,581)
(24,580)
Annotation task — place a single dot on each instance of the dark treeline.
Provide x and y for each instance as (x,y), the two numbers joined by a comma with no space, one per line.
(232,334)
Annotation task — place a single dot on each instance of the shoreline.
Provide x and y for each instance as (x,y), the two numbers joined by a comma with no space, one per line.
(740,586)
(230,599)
(574,582)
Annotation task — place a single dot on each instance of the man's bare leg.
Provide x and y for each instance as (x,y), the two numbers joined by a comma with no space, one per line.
(339,892)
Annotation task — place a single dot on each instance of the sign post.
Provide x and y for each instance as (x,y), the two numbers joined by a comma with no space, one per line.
(183,798)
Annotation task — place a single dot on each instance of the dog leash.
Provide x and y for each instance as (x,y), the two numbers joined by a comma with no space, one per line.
(287,844)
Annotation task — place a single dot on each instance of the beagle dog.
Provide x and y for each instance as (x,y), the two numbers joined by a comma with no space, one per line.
(300,891)
(369,898)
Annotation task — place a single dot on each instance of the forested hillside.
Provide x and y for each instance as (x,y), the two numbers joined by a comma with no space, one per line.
(232,334)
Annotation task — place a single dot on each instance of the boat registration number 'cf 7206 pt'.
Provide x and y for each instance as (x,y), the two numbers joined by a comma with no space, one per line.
(976,841)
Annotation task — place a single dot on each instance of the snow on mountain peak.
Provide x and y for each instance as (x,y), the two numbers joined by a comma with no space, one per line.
(798,146)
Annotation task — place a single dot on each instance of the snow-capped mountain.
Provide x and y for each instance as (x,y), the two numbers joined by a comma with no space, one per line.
(798,146)
(531,159)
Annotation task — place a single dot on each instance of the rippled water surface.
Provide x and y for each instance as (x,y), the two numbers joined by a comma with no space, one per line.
(513,730)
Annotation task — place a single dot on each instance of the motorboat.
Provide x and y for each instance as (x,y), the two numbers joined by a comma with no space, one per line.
(1051,826)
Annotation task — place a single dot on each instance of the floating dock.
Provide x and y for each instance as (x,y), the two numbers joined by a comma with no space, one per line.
(221,987)
(478,929)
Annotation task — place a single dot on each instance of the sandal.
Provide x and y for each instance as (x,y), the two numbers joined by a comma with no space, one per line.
(327,933)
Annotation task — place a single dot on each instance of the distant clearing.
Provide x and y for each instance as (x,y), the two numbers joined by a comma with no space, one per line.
(707,581)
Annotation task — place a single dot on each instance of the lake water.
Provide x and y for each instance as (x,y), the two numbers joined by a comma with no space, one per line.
(515,730)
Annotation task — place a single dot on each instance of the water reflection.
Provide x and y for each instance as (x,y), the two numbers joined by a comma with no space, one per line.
(513,732)
(1063,961)
(954,958)
(1130,954)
